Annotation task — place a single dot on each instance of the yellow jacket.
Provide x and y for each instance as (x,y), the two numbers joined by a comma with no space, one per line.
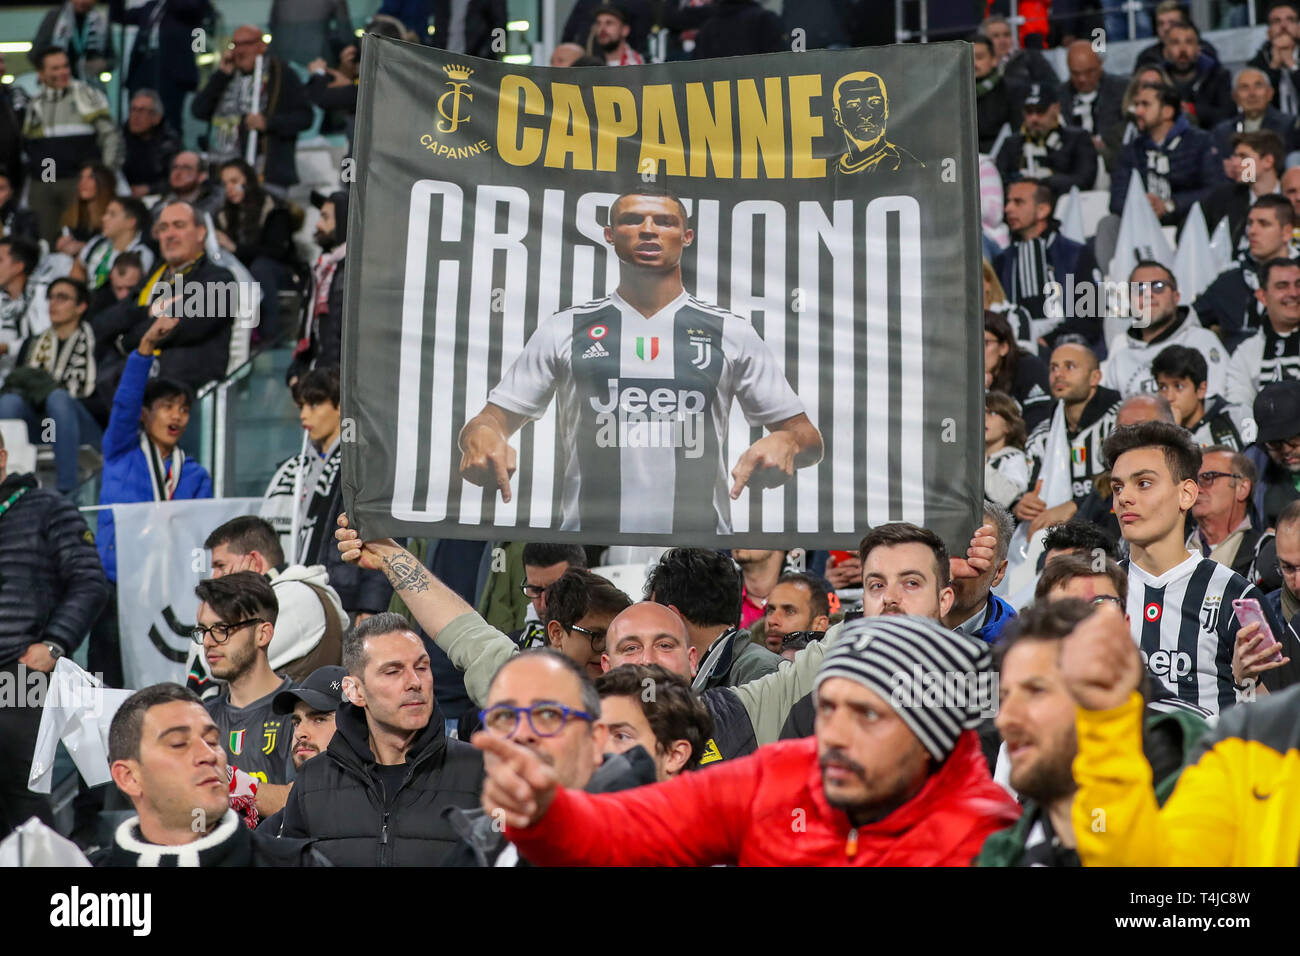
(1236,804)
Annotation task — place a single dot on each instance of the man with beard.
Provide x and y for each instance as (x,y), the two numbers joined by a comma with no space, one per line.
(862,112)
(1175,161)
(1273,353)
(1203,84)
(887,780)
(1036,718)
(799,604)
(310,708)
(1084,416)
(1230,305)
(379,793)
(1158,322)
(1040,260)
(1285,601)
(609,32)
(236,622)
(320,336)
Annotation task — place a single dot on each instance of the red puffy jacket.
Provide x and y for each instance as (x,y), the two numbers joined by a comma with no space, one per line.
(769,809)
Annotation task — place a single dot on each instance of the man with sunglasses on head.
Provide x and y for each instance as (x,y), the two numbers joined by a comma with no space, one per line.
(236,622)
(1158,321)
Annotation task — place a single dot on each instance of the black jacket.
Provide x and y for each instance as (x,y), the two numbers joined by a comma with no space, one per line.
(231,844)
(149,157)
(195,352)
(998,105)
(1231,200)
(482,17)
(1229,305)
(52,585)
(325,334)
(1107,112)
(1261,60)
(1284,124)
(482,843)
(1208,93)
(172,62)
(339,800)
(288,113)
(1070,160)
(739,28)
(1026,67)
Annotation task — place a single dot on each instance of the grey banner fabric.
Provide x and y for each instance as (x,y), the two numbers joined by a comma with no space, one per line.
(726,303)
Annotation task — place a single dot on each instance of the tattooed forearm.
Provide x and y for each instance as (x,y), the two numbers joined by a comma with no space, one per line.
(404,573)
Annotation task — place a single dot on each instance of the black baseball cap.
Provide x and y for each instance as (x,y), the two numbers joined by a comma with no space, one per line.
(1277,411)
(322,690)
(613,10)
(1037,96)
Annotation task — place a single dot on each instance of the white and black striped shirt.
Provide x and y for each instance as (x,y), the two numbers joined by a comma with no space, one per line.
(1184,625)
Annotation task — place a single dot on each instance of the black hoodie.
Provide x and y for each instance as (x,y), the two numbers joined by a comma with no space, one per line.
(739,28)
(342,801)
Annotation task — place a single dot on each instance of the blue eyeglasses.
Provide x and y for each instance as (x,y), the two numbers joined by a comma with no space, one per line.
(546,718)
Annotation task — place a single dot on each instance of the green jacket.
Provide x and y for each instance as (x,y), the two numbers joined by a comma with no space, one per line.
(1178,729)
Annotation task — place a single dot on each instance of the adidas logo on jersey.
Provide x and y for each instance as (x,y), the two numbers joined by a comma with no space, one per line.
(596,351)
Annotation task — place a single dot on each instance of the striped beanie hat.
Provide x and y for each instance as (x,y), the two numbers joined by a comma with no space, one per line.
(936,680)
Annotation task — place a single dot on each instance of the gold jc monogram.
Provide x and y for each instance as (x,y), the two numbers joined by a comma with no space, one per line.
(459,88)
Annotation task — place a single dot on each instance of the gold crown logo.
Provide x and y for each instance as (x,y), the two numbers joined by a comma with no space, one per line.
(458,72)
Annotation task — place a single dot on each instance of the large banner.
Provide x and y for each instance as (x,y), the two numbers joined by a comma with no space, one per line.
(160,560)
(724,303)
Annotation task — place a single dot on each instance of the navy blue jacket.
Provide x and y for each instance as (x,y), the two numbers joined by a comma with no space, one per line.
(1194,168)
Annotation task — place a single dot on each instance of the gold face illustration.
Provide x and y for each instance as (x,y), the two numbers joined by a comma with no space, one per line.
(862,109)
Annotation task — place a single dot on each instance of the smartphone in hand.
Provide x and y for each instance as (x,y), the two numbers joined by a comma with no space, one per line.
(1248,611)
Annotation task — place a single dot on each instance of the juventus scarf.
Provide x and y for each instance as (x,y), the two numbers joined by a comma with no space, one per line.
(1032,273)
(88,40)
(318,490)
(164,482)
(71,363)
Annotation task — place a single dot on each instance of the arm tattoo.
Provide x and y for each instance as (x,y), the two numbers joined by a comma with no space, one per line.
(406,574)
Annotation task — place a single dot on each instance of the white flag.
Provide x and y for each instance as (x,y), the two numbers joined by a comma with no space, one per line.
(1072,216)
(160,560)
(1221,245)
(1140,236)
(1194,264)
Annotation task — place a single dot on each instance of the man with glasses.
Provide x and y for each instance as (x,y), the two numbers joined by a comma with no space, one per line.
(1285,601)
(541,700)
(379,794)
(1277,413)
(188,180)
(1159,322)
(543,566)
(1224,530)
(579,609)
(236,623)
(1272,354)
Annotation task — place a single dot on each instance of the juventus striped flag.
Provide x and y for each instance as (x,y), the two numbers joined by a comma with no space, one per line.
(719,303)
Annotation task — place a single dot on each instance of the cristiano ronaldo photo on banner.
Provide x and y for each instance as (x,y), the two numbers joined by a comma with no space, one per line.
(644,380)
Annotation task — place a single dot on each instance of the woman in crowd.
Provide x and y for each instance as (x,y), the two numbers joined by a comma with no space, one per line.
(84,215)
(1006,469)
(258,230)
(1009,368)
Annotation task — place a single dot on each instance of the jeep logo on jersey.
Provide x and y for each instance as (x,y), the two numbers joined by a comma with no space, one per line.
(647,347)
(659,401)
(1173,664)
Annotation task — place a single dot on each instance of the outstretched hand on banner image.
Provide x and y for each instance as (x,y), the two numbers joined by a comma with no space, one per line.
(771,461)
(486,456)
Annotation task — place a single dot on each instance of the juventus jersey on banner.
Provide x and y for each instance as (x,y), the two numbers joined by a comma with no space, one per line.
(1185,628)
(649,400)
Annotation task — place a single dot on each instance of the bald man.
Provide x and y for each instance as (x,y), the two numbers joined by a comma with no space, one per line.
(279,113)
(1084,416)
(1093,100)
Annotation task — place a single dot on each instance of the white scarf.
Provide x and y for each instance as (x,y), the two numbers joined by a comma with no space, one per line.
(164,487)
(72,365)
